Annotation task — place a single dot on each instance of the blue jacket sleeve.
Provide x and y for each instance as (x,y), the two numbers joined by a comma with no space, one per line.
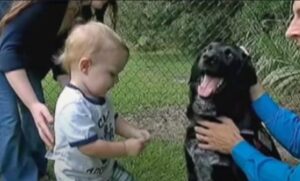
(258,167)
(285,127)
(283,124)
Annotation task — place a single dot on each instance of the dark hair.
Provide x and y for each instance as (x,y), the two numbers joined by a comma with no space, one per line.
(111,6)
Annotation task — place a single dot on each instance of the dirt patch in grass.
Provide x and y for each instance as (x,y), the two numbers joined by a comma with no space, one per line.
(170,124)
(167,123)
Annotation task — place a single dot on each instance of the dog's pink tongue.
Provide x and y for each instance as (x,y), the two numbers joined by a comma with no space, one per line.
(208,86)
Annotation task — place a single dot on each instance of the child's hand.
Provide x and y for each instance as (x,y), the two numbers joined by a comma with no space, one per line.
(133,146)
(143,134)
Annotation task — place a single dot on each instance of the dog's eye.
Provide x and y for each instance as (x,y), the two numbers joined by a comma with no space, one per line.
(228,54)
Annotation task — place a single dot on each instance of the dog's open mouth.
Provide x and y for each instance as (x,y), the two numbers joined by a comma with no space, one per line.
(209,85)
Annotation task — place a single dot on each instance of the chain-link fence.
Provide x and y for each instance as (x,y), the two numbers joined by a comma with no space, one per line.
(165,36)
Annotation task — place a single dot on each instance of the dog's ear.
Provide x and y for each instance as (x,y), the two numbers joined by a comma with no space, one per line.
(195,73)
(247,73)
(195,70)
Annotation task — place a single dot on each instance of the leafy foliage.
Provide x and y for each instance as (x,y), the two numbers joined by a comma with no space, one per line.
(176,24)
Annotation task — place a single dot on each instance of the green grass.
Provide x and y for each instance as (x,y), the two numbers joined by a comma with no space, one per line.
(150,80)
(160,161)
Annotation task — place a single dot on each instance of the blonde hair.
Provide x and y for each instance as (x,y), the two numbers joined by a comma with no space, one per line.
(87,40)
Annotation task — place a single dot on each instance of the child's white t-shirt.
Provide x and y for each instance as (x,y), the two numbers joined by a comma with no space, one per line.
(80,120)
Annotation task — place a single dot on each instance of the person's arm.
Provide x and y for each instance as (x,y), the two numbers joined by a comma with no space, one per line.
(109,149)
(126,130)
(283,124)
(13,63)
(104,149)
(19,81)
(258,167)
(75,120)
(226,138)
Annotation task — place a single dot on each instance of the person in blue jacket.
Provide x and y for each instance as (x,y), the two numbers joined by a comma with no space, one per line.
(32,31)
(283,124)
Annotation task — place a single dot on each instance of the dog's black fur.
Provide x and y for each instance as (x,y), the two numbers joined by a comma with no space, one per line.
(231,99)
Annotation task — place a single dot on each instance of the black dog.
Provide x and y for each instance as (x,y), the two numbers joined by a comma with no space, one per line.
(219,86)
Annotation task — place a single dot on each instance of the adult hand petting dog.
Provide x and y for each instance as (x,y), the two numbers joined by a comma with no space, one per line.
(221,137)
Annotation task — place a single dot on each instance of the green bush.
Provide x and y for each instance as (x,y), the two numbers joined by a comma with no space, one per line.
(190,25)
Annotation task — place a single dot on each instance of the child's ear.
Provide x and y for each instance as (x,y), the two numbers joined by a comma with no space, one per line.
(85,64)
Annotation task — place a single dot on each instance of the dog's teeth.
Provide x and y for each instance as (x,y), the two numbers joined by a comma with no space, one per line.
(220,83)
